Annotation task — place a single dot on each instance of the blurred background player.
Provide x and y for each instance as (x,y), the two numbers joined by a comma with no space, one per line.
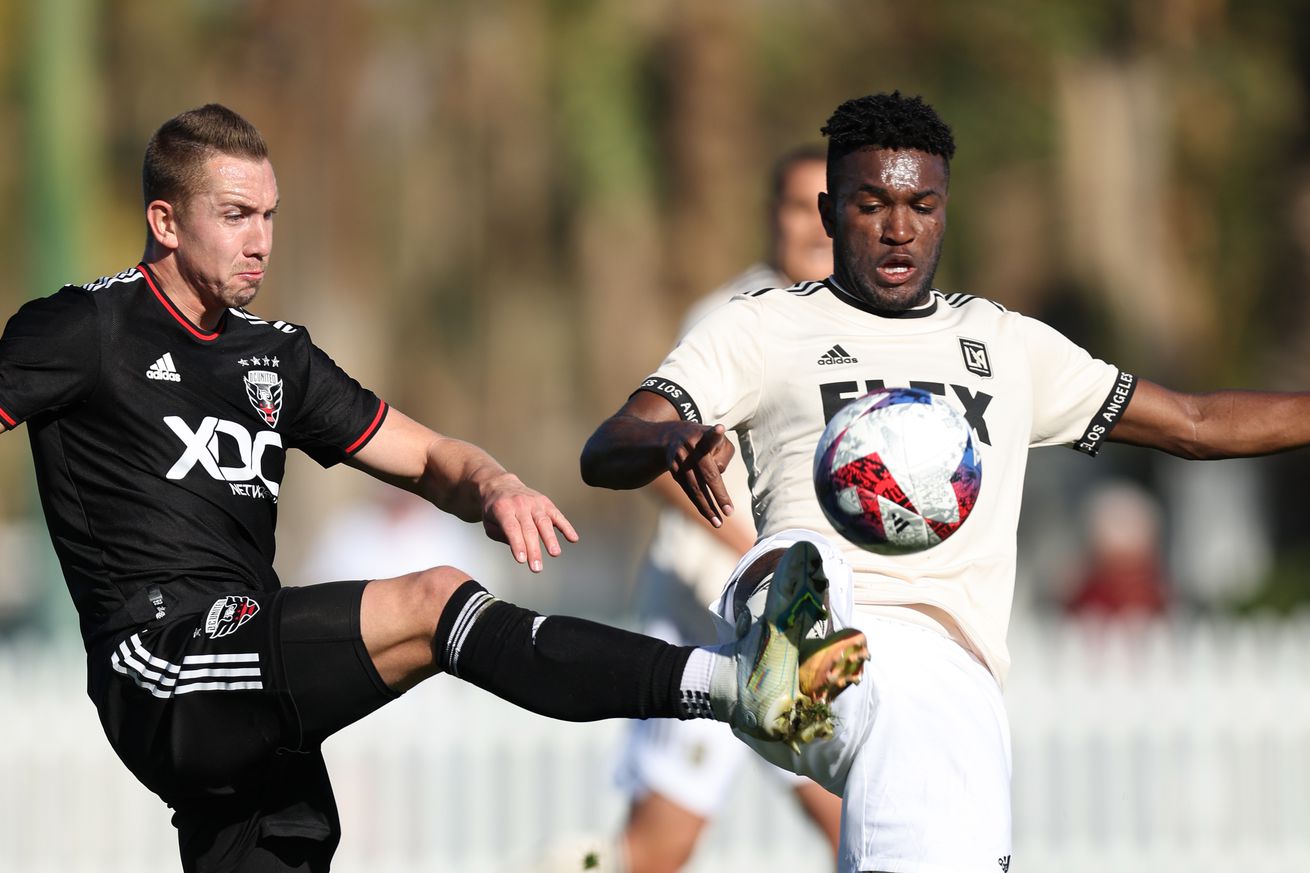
(679,774)
(1122,572)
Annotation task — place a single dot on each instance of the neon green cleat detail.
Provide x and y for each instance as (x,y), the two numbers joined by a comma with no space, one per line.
(785,680)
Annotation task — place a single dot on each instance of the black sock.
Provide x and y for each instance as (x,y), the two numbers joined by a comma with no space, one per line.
(558,666)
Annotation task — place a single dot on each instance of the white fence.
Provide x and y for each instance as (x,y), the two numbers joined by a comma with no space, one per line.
(1160,748)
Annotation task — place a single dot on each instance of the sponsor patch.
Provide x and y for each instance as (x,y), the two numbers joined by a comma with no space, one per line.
(228,614)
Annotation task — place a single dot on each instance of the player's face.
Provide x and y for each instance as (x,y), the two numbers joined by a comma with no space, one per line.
(886,214)
(225,232)
(801,248)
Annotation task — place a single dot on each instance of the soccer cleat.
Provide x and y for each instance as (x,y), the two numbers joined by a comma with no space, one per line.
(831,664)
(785,681)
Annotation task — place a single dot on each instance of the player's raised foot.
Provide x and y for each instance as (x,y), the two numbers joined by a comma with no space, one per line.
(832,664)
(797,592)
(829,665)
(769,702)
(760,685)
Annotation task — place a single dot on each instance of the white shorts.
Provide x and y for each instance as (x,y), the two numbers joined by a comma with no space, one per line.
(693,763)
(921,755)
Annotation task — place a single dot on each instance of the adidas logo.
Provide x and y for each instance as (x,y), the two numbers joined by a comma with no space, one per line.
(837,355)
(163,369)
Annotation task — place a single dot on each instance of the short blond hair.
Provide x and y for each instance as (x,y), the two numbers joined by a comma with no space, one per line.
(174,165)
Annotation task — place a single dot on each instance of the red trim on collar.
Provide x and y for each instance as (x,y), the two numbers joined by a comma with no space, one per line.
(4,416)
(172,310)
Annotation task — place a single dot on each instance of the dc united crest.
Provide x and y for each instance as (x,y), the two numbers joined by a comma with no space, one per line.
(228,614)
(264,388)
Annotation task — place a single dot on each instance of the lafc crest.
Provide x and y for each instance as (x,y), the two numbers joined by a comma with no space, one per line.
(264,388)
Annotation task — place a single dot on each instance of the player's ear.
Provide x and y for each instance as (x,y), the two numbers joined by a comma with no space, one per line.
(161,218)
(826,206)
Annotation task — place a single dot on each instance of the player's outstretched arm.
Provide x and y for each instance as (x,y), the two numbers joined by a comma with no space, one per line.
(647,438)
(464,480)
(1215,425)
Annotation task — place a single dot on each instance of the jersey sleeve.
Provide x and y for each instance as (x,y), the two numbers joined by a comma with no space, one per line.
(338,416)
(713,375)
(49,355)
(1077,399)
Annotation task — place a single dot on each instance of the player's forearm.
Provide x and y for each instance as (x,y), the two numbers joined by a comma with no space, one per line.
(626,452)
(456,476)
(1235,424)
(1223,424)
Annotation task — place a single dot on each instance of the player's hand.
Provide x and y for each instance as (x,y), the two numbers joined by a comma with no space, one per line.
(697,457)
(514,514)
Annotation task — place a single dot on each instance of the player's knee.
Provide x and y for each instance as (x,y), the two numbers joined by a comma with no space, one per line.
(430,591)
(404,611)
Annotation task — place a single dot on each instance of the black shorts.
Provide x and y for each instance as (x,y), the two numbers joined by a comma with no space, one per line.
(221,713)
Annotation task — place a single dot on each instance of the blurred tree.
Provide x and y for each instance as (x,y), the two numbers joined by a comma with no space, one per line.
(712,141)
(610,163)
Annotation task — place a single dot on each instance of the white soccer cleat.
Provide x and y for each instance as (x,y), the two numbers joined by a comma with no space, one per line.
(785,680)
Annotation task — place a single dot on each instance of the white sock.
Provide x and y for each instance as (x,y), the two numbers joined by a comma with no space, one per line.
(709,683)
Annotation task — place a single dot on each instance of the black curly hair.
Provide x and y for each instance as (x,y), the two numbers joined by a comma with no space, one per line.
(889,121)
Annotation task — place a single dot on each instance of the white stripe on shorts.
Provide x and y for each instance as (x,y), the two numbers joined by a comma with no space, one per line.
(170,679)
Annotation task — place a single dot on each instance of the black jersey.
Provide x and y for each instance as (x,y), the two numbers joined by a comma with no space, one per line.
(160,447)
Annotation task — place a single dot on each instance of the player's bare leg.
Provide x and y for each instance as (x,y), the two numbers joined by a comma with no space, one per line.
(660,835)
(398,620)
(823,808)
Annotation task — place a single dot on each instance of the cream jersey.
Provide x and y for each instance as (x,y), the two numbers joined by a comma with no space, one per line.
(683,546)
(776,365)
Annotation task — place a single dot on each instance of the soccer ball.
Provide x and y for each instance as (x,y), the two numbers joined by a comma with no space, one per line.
(896,471)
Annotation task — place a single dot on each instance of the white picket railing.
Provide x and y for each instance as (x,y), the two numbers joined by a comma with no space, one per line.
(1162,748)
(1158,748)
